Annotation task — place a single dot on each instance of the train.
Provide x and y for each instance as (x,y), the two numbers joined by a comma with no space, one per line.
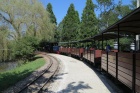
(52,47)
(123,66)
(49,47)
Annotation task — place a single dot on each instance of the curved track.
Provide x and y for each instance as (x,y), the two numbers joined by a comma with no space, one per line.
(38,84)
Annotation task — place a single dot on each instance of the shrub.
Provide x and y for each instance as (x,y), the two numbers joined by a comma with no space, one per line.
(25,47)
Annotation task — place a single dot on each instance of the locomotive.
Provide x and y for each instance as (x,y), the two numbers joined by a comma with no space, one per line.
(52,47)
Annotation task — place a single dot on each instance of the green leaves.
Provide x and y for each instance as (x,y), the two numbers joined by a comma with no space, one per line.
(88,26)
(28,23)
(52,16)
(70,24)
(21,15)
(25,48)
(71,27)
(4,44)
(53,21)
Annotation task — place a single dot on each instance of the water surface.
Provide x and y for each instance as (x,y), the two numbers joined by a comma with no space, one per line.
(5,66)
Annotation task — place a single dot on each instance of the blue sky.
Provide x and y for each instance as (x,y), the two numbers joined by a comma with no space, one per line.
(60,7)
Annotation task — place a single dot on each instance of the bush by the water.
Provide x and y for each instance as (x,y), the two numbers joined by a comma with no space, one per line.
(25,47)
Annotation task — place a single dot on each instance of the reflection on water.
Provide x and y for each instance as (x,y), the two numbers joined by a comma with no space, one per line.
(8,66)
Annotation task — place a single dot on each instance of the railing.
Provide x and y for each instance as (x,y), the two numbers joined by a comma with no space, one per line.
(125,67)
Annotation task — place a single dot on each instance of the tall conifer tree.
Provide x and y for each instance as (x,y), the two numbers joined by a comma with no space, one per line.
(89,21)
(70,24)
(53,20)
(52,16)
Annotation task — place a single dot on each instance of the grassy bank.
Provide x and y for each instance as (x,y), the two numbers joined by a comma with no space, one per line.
(11,77)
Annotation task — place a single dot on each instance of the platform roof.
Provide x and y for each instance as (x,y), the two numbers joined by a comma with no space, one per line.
(86,40)
(71,42)
(63,42)
(129,24)
(106,36)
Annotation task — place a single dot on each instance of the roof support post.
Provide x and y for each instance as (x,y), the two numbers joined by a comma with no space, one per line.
(107,56)
(137,40)
(134,69)
(116,66)
(67,46)
(93,43)
(102,42)
(135,43)
(118,39)
(137,36)
(87,49)
(98,44)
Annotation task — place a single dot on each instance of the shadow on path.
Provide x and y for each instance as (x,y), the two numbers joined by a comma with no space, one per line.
(106,80)
(74,87)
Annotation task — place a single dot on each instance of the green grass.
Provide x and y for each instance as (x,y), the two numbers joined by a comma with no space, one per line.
(11,77)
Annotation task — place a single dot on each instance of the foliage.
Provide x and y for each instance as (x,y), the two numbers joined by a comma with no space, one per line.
(89,22)
(107,14)
(52,16)
(20,15)
(105,5)
(56,36)
(133,5)
(107,18)
(59,31)
(25,47)
(27,23)
(4,44)
(70,24)
(122,10)
(53,20)
(111,13)
(11,77)
(125,43)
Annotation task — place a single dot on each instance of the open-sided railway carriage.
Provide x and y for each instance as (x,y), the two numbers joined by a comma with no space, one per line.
(123,66)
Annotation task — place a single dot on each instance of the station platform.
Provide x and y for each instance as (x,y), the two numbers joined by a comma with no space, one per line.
(77,77)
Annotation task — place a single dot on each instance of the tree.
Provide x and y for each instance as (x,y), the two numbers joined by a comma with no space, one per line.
(111,12)
(4,44)
(20,15)
(27,23)
(89,21)
(40,24)
(59,30)
(105,5)
(52,16)
(25,47)
(107,14)
(70,24)
(53,20)
(107,18)
(122,10)
(133,4)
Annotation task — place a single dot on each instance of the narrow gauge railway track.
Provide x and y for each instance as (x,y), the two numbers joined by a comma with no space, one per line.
(38,84)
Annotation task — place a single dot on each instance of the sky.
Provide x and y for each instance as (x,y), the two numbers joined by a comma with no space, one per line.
(60,7)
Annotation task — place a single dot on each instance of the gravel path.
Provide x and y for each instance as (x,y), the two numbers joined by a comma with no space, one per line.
(76,77)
